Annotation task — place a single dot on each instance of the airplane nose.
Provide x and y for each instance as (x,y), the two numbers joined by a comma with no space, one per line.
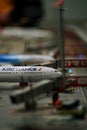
(59,74)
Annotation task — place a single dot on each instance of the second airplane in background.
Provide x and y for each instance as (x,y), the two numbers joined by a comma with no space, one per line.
(24,59)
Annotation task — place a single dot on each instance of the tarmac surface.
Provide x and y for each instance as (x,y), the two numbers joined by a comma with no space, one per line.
(14,117)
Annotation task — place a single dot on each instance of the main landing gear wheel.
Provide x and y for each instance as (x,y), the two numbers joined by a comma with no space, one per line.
(30,105)
(23,84)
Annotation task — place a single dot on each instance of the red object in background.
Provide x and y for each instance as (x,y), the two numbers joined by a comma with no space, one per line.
(60,89)
(75,63)
(58,103)
(79,81)
(70,34)
(56,4)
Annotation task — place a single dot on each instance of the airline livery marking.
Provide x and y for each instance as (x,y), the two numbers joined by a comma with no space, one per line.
(19,69)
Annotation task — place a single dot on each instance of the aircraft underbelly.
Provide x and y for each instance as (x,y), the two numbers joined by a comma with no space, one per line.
(32,78)
(20,78)
(9,78)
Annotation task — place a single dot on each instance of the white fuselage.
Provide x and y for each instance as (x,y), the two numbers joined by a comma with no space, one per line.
(27,74)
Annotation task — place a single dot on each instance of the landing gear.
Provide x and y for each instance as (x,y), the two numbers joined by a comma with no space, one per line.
(55,97)
(23,84)
(30,105)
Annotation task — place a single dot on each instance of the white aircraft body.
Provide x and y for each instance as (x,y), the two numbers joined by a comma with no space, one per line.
(20,59)
(27,73)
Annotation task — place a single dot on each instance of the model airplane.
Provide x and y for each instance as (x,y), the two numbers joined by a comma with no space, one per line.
(19,59)
(27,73)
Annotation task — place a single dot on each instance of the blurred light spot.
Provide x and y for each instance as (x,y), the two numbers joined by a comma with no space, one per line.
(70,71)
(80,56)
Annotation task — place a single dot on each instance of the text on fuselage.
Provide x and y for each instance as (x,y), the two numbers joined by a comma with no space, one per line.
(19,69)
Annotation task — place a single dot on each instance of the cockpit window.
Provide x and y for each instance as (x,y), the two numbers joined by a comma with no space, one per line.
(56,70)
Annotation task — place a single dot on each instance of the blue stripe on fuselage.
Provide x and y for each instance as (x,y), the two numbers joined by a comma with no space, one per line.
(8,58)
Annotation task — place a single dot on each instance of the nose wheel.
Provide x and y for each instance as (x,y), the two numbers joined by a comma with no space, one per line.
(55,97)
(23,84)
(31,104)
